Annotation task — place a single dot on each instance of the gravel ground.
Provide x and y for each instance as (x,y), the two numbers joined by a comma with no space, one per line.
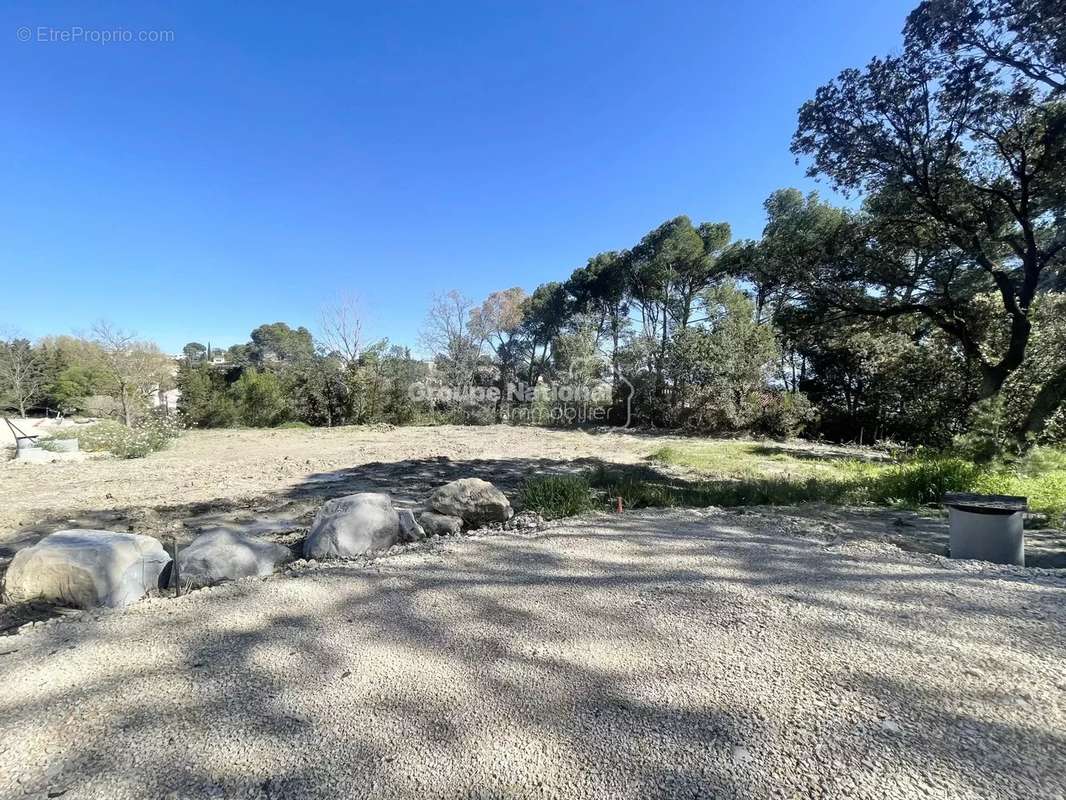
(681,654)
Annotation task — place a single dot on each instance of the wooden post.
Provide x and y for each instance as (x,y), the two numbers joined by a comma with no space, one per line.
(174,571)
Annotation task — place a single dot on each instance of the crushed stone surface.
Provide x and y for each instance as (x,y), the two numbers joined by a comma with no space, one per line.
(652,654)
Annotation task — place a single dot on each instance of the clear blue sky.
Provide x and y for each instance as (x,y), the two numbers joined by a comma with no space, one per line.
(270,155)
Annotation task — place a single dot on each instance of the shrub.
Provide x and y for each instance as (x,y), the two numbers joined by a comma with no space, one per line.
(555,496)
(153,432)
(294,425)
(259,399)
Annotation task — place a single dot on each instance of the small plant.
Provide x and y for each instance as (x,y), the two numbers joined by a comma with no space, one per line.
(555,496)
(153,432)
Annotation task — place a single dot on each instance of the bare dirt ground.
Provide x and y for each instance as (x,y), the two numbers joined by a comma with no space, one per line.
(683,654)
(264,471)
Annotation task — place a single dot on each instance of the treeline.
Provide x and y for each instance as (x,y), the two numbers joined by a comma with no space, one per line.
(107,373)
(283,375)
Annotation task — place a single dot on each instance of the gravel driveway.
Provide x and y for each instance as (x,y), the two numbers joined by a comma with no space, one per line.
(683,654)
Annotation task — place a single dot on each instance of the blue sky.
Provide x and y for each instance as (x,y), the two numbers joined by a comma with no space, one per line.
(269,156)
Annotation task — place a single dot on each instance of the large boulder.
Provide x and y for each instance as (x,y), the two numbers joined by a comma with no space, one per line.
(347,527)
(473,500)
(222,555)
(436,524)
(410,530)
(87,568)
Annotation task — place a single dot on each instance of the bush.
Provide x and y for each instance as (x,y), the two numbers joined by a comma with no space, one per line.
(295,425)
(259,399)
(153,432)
(555,496)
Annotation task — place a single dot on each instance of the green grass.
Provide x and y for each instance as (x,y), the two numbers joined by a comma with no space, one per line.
(734,474)
(555,496)
(295,425)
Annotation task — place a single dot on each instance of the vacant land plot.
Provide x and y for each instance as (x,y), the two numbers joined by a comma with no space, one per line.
(678,654)
(247,469)
(271,482)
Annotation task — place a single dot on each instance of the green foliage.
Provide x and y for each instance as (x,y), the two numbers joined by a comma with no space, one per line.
(259,399)
(555,496)
(22,375)
(278,342)
(293,426)
(153,432)
(741,473)
(70,386)
(959,145)
(923,481)
(194,352)
(204,401)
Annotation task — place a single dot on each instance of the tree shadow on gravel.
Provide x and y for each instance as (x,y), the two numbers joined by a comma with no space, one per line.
(366,689)
(651,664)
(283,516)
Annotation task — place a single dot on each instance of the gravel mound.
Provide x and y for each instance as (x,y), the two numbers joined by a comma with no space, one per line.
(681,654)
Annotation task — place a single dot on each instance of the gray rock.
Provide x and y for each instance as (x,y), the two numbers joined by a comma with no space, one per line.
(440,524)
(525,520)
(410,530)
(346,527)
(475,501)
(86,568)
(222,555)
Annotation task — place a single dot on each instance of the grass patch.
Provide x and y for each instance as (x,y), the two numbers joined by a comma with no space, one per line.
(555,496)
(294,425)
(736,477)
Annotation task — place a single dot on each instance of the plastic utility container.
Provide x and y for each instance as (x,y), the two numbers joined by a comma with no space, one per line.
(987,527)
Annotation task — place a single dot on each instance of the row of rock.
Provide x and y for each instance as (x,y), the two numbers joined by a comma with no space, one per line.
(90,568)
(351,526)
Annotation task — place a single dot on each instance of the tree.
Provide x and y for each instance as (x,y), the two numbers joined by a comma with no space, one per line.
(135,369)
(960,146)
(277,342)
(22,376)
(194,352)
(342,329)
(259,399)
(74,371)
(545,313)
(447,336)
(498,319)
(1027,36)
(204,401)
(497,322)
(601,289)
(725,362)
(798,233)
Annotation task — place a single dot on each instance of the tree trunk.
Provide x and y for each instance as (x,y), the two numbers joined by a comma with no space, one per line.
(1048,400)
(126,411)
